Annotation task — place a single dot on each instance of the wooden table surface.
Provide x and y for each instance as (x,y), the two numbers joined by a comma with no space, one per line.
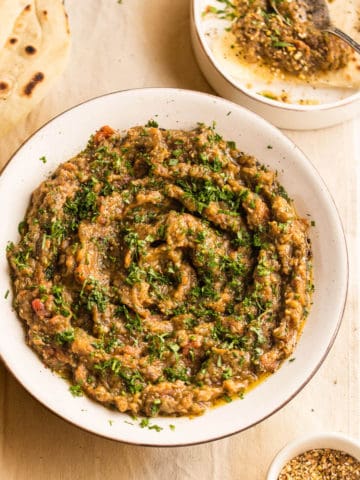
(120,46)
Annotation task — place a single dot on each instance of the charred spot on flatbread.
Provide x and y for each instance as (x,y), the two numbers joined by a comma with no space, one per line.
(30,50)
(3,86)
(36,79)
(13,40)
(27,8)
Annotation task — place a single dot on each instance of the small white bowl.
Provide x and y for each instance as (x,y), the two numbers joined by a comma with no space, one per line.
(335,441)
(335,105)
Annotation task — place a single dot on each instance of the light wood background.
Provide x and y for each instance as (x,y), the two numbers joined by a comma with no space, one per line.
(146,43)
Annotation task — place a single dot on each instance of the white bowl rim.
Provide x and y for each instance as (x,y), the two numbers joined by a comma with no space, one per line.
(341,310)
(253,96)
(309,442)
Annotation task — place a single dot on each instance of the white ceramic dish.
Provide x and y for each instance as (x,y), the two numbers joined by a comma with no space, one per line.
(335,441)
(335,104)
(65,136)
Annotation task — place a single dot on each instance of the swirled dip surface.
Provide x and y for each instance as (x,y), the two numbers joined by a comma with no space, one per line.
(161,270)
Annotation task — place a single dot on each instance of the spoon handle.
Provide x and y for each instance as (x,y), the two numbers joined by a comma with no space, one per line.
(344,36)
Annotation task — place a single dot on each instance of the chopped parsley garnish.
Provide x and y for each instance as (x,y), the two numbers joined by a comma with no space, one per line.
(156,344)
(280,44)
(282,192)
(132,379)
(132,321)
(67,336)
(155,407)
(145,423)
(131,238)
(83,206)
(22,256)
(173,374)
(202,192)
(56,230)
(93,295)
(227,339)
(152,123)
(22,227)
(60,305)
(76,390)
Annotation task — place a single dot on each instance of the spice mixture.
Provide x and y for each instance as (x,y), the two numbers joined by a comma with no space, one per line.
(321,464)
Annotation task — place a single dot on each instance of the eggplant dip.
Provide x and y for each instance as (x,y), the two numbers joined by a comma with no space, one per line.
(162,271)
(284,39)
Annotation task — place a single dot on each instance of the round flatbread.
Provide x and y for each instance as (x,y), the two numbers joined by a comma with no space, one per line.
(34,47)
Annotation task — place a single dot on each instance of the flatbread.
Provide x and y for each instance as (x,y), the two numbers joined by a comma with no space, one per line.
(34,48)
(345,15)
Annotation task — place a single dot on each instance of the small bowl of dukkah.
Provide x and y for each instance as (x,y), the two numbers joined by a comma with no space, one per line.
(318,456)
(175,269)
(269,57)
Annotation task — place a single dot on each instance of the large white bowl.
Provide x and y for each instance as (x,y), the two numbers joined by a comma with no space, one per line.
(336,105)
(65,136)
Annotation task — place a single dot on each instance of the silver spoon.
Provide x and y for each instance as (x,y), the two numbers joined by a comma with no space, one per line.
(320,17)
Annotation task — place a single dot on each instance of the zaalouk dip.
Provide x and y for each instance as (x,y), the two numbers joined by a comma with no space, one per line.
(284,39)
(162,271)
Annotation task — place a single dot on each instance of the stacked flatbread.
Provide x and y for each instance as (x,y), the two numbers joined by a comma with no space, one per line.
(34,47)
